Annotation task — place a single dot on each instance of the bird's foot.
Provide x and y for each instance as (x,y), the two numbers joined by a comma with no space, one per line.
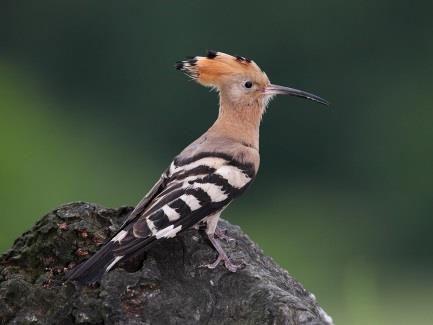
(222,256)
(232,267)
(222,234)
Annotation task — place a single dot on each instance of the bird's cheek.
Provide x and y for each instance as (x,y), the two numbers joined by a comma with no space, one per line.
(234,94)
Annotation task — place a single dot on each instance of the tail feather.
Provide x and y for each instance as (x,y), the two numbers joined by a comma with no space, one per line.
(123,246)
(133,246)
(93,269)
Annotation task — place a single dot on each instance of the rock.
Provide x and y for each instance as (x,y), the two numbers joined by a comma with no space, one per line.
(169,286)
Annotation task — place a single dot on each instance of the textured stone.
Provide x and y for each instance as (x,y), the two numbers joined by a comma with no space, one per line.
(168,287)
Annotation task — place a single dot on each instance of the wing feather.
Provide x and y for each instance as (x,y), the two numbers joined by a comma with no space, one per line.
(199,196)
(188,192)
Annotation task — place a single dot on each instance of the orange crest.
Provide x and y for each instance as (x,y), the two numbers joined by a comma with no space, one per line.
(216,68)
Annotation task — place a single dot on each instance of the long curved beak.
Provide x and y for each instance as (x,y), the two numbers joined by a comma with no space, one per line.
(281,90)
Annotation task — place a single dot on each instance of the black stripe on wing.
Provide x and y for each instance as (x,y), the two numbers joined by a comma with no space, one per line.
(169,197)
(219,181)
(248,168)
(170,188)
(199,194)
(199,170)
(159,220)
(181,207)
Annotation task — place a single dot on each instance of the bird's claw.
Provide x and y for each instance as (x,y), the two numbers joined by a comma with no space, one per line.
(232,267)
(222,256)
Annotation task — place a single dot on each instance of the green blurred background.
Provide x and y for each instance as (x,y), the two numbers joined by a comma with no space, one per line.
(92,109)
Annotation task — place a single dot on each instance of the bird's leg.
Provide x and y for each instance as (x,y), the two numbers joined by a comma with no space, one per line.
(212,231)
(222,256)
(212,228)
(222,234)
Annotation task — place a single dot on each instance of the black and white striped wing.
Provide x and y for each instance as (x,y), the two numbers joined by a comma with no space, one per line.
(191,190)
(195,189)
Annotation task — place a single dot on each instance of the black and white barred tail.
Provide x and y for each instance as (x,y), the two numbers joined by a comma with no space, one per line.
(104,260)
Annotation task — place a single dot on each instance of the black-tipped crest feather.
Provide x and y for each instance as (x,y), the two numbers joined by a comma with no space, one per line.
(211,54)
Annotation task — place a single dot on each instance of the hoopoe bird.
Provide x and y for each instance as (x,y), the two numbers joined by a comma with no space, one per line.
(208,174)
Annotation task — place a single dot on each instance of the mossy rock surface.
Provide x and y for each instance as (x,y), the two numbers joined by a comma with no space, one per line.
(168,286)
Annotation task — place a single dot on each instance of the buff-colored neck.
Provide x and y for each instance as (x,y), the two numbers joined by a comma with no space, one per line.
(239,122)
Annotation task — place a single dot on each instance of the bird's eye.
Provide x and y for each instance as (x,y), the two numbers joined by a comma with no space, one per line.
(248,84)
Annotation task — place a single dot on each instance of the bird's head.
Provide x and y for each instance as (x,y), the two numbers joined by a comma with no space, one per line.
(239,80)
